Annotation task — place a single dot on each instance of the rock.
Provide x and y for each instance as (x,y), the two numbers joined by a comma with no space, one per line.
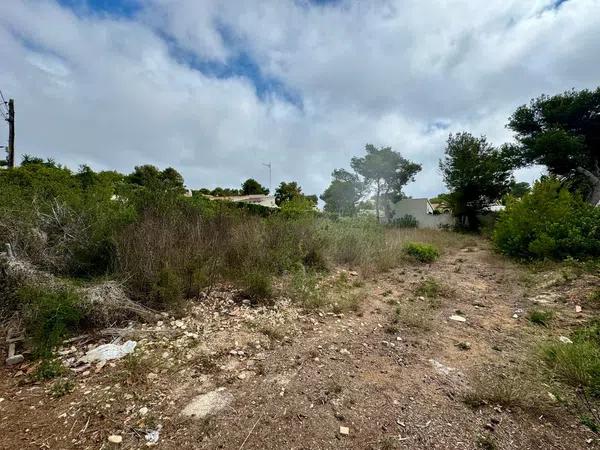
(438,366)
(143,411)
(16,359)
(115,439)
(344,351)
(515,316)
(344,431)
(152,376)
(464,345)
(458,318)
(208,404)
(577,308)
(565,340)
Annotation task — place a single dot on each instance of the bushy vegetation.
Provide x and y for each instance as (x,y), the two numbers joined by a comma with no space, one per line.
(425,253)
(164,246)
(48,316)
(540,317)
(406,221)
(577,363)
(549,222)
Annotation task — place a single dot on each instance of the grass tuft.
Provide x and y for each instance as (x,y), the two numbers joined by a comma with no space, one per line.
(540,317)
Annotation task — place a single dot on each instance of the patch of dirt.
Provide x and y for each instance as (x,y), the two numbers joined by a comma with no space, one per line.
(294,377)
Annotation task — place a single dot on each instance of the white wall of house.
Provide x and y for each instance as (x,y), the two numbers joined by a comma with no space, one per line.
(420,209)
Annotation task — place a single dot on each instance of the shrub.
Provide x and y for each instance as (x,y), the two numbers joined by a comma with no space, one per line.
(406,221)
(49,316)
(540,317)
(548,222)
(257,286)
(48,369)
(61,387)
(167,291)
(425,253)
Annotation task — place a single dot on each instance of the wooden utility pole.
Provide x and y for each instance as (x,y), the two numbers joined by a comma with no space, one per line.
(11,133)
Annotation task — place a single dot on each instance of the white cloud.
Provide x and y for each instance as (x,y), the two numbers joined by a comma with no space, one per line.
(108,91)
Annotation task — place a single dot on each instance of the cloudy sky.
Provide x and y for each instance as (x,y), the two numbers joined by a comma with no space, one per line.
(216,88)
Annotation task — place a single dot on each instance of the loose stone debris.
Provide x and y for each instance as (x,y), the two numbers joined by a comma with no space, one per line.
(208,404)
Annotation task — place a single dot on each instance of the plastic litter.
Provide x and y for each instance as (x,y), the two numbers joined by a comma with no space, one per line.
(106,352)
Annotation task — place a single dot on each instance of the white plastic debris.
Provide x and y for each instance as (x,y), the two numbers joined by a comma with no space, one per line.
(107,352)
(565,340)
(458,318)
(152,436)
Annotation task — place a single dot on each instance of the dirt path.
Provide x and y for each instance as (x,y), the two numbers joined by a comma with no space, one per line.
(292,379)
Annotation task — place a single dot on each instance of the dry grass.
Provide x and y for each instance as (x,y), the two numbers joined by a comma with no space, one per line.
(510,391)
(413,316)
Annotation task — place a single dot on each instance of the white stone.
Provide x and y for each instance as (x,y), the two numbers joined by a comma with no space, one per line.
(143,411)
(345,431)
(115,439)
(208,404)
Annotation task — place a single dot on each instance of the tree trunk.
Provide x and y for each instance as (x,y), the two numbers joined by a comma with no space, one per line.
(594,197)
(377,201)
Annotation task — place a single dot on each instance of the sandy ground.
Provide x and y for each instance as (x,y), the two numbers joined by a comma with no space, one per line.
(293,379)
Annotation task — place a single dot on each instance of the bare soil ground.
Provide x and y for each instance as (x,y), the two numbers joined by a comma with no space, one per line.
(395,379)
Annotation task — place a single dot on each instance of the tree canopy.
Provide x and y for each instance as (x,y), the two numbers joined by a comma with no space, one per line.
(562,132)
(253,187)
(386,171)
(476,174)
(343,194)
(286,192)
(151,177)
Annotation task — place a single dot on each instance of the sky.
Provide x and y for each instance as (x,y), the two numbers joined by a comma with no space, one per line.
(218,88)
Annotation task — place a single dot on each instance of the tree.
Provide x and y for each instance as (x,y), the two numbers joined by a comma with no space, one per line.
(476,174)
(343,194)
(518,190)
(151,177)
(291,191)
(562,132)
(253,187)
(386,171)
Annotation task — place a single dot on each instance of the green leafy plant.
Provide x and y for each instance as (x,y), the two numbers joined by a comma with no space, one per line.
(540,317)
(48,369)
(406,221)
(425,253)
(61,387)
(49,316)
(548,222)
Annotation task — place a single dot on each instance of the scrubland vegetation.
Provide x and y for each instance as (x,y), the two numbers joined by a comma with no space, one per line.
(99,249)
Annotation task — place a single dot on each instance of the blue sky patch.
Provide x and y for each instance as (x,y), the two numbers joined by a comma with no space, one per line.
(117,8)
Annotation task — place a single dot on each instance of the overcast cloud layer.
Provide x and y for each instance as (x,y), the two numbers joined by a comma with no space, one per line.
(216,88)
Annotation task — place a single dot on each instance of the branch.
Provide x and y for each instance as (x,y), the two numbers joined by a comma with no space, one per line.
(587,173)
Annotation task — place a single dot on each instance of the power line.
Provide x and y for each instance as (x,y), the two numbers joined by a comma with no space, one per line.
(2,95)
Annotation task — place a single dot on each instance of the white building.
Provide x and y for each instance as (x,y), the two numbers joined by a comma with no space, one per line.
(422,210)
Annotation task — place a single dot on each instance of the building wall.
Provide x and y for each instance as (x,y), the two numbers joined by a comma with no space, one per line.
(419,208)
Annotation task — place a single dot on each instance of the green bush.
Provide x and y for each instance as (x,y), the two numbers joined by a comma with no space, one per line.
(49,316)
(406,221)
(548,222)
(540,317)
(167,291)
(257,286)
(425,253)
(48,369)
